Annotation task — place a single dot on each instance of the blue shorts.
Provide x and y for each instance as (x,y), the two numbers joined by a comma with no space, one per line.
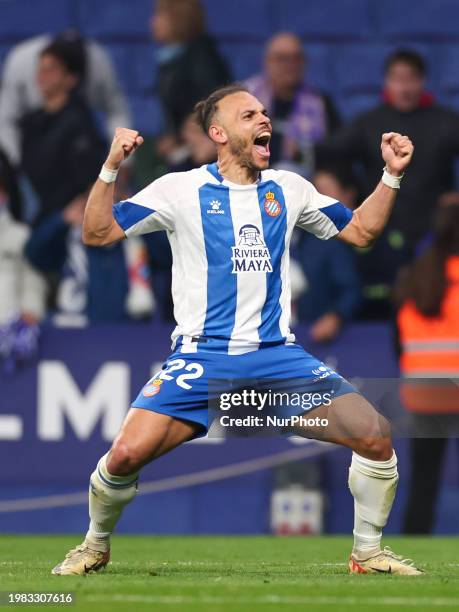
(181,389)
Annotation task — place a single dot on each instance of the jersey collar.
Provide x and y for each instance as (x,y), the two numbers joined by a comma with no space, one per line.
(213,169)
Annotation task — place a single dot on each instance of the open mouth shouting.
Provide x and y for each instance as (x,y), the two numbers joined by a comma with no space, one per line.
(261,144)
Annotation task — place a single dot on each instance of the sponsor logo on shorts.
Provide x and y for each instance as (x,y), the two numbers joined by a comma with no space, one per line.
(322,372)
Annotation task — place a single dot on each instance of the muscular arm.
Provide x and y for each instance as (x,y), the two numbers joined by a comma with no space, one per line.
(370,218)
(99,225)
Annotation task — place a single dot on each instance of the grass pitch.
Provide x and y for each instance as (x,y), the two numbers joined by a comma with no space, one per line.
(213,574)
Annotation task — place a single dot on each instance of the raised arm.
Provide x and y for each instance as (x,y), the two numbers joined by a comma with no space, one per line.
(99,225)
(370,218)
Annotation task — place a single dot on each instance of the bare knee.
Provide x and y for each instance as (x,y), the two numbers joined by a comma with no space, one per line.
(123,459)
(376,448)
(373,438)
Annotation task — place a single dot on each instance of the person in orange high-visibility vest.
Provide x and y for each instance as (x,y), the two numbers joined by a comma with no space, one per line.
(428,326)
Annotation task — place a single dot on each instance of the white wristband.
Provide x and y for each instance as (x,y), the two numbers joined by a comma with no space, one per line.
(107,175)
(390,180)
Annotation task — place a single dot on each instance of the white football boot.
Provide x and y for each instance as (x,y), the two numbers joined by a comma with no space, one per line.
(384,562)
(82,560)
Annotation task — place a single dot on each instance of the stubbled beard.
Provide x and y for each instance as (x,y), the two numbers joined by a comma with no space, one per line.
(238,148)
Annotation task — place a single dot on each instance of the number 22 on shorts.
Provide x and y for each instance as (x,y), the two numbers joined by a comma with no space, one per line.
(192,371)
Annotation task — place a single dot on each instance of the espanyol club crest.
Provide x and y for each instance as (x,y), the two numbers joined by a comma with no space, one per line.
(272,206)
(152,389)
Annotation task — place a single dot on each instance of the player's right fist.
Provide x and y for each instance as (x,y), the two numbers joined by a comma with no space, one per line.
(124,143)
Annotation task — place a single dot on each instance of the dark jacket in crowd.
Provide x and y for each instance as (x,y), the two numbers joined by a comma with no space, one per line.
(9,182)
(62,153)
(160,262)
(188,76)
(332,279)
(378,266)
(107,285)
(434,131)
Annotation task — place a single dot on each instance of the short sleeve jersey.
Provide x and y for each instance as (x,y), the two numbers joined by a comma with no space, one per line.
(230,246)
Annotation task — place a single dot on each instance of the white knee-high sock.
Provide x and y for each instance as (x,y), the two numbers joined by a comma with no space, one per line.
(373,485)
(108,495)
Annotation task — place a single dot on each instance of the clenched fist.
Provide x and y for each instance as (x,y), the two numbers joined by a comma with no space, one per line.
(124,143)
(397,151)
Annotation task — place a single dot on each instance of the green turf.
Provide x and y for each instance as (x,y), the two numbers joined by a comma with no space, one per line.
(212,574)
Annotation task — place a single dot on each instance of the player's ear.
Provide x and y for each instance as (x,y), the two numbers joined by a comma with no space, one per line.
(218,134)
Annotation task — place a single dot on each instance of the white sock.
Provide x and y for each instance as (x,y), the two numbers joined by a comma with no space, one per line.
(108,495)
(373,485)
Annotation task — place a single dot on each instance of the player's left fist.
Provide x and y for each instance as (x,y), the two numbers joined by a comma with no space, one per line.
(397,151)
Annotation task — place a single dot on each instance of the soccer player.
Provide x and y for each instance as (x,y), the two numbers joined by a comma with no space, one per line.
(229,225)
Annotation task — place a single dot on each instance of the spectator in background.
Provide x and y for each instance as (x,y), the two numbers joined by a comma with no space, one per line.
(190,65)
(377,264)
(332,294)
(92,285)
(428,324)
(61,149)
(22,295)
(20,94)
(160,271)
(408,109)
(300,116)
(198,150)
(10,189)
(199,147)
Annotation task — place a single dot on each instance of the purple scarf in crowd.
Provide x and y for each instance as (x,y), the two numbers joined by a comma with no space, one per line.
(306,124)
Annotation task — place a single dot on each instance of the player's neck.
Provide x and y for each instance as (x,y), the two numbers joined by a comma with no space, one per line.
(230,170)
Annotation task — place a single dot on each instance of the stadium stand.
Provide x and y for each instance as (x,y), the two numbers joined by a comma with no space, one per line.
(147,113)
(22,18)
(3,52)
(240,19)
(417,19)
(447,61)
(368,58)
(319,66)
(244,58)
(114,19)
(351,19)
(346,42)
(135,65)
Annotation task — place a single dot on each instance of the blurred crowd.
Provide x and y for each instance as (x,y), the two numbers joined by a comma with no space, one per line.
(60,100)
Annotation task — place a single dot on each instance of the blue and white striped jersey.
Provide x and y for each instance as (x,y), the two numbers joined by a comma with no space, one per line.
(230,247)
